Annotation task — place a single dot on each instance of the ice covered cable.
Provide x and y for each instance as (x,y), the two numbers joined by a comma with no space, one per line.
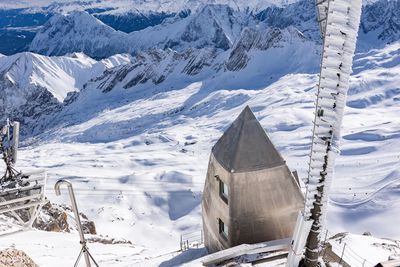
(339,20)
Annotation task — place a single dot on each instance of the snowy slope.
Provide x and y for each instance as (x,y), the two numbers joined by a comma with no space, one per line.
(31,75)
(134,132)
(59,75)
(137,154)
(33,85)
(248,53)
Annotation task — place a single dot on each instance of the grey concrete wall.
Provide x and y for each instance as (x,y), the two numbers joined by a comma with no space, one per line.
(262,206)
(213,207)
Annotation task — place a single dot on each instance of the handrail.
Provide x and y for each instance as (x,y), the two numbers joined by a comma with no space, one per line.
(85,249)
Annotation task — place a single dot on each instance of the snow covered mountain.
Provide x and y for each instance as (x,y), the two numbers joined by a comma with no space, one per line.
(137,154)
(134,131)
(33,85)
(36,85)
(55,77)
(78,32)
(213,26)
(381,22)
(121,6)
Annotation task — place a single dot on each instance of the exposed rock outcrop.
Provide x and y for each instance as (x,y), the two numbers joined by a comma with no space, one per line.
(15,258)
(56,218)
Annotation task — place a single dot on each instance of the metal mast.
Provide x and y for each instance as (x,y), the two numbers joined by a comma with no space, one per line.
(339,21)
(21,194)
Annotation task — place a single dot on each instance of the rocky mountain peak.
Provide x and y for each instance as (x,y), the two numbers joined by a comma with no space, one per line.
(382,17)
(78,32)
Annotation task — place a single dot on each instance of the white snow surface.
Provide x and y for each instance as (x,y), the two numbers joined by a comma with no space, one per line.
(60,75)
(138,156)
(364,249)
(137,149)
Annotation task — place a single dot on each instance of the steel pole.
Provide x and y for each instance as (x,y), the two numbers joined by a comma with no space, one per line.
(76,213)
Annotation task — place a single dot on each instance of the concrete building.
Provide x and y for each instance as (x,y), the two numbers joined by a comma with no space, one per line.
(250,195)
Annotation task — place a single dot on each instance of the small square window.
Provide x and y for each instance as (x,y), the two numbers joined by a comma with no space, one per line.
(223,229)
(223,191)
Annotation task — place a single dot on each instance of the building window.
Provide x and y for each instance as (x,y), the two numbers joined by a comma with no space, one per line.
(223,229)
(223,191)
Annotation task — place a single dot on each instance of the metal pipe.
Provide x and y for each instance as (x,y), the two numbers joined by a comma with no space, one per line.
(341,257)
(76,213)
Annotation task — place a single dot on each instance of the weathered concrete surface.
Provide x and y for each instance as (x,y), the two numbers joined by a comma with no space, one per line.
(264,197)
(246,147)
(265,205)
(214,207)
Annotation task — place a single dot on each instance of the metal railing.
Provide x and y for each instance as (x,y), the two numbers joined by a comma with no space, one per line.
(85,250)
(191,240)
(341,252)
(24,201)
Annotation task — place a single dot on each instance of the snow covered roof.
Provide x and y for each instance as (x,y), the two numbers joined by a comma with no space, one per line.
(246,147)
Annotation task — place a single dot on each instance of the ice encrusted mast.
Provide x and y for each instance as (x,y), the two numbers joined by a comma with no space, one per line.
(339,22)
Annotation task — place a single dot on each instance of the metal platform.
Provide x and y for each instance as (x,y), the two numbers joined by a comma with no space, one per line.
(23,199)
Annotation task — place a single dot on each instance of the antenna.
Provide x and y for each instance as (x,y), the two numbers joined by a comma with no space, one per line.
(9,141)
(14,141)
(22,194)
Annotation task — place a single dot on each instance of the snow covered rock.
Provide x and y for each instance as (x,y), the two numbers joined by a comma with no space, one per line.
(107,240)
(56,218)
(380,24)
(15,258)
(258,40)
(215,26)
(33,86)
(300,15)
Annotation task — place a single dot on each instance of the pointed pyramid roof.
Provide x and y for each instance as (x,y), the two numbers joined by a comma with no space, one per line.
(246,147)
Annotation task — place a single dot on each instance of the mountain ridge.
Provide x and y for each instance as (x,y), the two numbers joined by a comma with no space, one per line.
(215,26)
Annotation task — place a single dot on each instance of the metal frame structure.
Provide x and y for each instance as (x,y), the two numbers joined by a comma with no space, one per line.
(23,202)
(322,14)
(22,195)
